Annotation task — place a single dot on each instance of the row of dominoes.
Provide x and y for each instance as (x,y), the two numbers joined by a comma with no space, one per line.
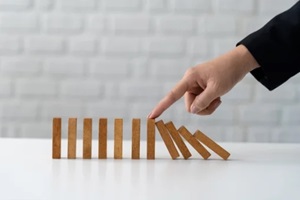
(171,136)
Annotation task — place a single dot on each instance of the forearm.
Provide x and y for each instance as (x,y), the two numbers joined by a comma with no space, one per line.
(239,60)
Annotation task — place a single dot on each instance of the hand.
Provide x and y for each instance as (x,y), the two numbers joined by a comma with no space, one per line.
(204,84)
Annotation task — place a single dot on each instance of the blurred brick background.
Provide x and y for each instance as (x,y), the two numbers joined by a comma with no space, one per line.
(117,58)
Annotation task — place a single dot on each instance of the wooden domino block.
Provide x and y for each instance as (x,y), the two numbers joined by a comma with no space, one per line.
(136,129)
(178,140)
(87,138)
(56,138)
(118,136)
(194,142)
(150,139)
(211,144)
(102,139)
(167,139)
(72,136)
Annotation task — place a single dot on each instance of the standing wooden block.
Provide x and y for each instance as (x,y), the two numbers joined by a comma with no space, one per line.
(87,138)
(178,140)
(150,139)
(194,142)
(211,144)
(72,136)
(136,129)
(56,138)
(102,139)
(167,139)
(118,147)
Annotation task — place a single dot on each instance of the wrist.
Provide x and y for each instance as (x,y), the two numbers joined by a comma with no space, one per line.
(246,60)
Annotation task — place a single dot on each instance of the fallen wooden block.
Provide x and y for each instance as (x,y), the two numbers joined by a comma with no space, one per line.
(197,146)
(167,139)
(178,140)
(211,144)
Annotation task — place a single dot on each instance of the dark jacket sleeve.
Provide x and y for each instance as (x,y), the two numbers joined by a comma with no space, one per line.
(276,47)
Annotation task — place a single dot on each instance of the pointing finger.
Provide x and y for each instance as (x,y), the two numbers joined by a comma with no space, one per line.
(176,93)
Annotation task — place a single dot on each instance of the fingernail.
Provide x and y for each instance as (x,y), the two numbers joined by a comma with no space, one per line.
(194,109)
(149,116)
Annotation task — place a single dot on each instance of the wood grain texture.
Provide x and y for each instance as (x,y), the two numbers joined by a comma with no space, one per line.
(194,142)
(118,136)
(167,139)
(178,140)
(72,137)
(56,138)
(150,139)
(87,138)
(136,129)
(102,138)
(211,144)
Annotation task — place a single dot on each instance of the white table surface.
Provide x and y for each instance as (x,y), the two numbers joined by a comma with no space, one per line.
(254,171)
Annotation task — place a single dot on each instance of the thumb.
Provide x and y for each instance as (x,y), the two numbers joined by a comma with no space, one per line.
(203,100)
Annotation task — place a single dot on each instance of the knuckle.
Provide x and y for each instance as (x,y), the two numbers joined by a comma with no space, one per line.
(200,104)
(190,71)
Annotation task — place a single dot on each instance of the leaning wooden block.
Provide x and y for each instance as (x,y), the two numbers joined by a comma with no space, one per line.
(72,136)
(167,139)
(87,138)
(135,148)
(195,143)
(102,138)
(118,135)
(211,144)
(56,138)
(178,140)
(150,139)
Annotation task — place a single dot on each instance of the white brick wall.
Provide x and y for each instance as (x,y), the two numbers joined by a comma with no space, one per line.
(35,88)
(235,6)
(63,23)
(14,22)
(191,5)
(15,4)
(117,58)
(177,25)
(165,46)
(10,44)
(45,44)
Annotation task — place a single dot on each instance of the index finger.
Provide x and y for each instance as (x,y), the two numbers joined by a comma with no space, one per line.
(176,93)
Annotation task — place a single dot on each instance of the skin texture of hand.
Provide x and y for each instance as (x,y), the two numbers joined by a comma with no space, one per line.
(203,85)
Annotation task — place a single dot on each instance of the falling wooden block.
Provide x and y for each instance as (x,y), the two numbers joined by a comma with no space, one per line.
(211,144)
(178,140)
(72,137)
(118,136)
(194,142)
(150,139)
(136,129)
(102,138)
(56,138)
(87,138)
(167,139)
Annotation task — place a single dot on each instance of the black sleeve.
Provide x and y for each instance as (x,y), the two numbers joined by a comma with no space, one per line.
(276,47)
